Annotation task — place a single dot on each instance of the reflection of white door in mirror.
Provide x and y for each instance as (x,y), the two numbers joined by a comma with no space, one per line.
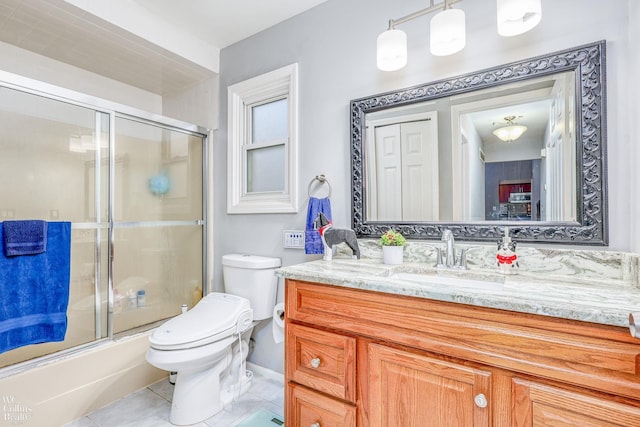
(402,167)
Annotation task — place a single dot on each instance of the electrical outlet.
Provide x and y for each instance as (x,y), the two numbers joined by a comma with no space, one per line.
(293,239)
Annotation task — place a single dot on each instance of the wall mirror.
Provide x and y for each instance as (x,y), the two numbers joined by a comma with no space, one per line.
(520,145)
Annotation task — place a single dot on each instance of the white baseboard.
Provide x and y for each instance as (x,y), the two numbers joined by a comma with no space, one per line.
(265,372)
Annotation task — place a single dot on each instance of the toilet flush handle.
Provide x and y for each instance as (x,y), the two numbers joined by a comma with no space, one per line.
(244,321)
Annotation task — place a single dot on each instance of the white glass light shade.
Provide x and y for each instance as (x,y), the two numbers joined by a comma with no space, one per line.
(518,16)
(392,50)
(447,32)
(510,133)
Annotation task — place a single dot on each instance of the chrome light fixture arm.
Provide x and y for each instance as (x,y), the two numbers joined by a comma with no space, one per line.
(432,8)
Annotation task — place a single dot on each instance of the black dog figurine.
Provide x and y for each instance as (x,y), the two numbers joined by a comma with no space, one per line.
(333,236)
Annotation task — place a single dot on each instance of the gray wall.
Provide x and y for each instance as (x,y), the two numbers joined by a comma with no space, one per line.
(633,130)
(334,45)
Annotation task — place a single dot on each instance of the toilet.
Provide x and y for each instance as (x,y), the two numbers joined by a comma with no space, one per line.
(207,346)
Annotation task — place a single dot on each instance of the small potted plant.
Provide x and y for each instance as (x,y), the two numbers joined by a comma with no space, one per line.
(392,247)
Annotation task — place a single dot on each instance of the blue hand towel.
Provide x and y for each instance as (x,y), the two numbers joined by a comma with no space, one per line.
(34,292)
(24,237)
(312,239)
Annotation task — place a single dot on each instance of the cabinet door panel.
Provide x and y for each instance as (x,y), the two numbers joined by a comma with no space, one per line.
(412,390)
(306,408)
(538,405)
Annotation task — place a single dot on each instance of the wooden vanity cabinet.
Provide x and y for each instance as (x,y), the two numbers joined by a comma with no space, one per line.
(363,358)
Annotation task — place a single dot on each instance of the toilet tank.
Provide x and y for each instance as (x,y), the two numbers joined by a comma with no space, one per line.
(252,277)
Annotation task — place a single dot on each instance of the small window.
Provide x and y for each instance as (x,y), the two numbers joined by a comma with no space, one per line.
(262,143)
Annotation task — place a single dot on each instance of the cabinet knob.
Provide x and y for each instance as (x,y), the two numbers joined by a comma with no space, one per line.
(316,424)
(315,362)
(481,400)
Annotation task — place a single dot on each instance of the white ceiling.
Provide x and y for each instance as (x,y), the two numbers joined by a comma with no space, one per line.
(66,31)
(224,22)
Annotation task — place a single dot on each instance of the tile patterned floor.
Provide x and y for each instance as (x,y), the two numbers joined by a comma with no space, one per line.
(150,407)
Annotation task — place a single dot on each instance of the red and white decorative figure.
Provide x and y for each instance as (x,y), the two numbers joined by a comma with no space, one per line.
(506,258)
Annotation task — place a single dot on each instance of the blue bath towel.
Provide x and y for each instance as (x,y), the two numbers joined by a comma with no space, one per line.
(312,239)
(24,237)
(34,292)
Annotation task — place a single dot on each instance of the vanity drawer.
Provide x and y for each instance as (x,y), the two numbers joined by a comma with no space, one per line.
(321,360)
(308,408)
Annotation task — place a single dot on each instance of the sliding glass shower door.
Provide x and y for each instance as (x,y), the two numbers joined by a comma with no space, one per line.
(158,221)
(133,192)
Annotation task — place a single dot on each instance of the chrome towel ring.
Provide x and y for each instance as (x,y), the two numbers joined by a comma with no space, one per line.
(322,180)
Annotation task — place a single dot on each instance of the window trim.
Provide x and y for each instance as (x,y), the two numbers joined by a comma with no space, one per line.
(282,83)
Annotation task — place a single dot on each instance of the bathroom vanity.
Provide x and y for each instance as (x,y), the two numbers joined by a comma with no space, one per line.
(375,345)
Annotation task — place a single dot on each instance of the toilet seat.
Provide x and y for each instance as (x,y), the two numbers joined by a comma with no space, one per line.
(215,317)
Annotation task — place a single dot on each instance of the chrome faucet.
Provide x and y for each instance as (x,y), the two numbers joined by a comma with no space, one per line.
(450,260)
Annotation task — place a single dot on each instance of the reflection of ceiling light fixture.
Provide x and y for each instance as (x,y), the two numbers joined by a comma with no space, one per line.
(447,29)
(84,143)
(75,144)
(511,131)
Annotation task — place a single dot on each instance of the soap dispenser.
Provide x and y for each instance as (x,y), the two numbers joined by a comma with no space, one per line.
(507,259)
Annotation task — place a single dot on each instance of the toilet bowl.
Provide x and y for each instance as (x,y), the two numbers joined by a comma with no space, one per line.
(207,346)
(199,346)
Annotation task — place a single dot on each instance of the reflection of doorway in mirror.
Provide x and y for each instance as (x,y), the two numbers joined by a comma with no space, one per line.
(512,190)
(546,107)
(515,199)
(402,165)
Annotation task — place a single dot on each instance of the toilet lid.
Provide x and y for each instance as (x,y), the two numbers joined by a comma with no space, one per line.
(213,318)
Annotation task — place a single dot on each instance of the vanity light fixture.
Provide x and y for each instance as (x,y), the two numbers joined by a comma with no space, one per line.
(511,131)
(447,29)
(518,16)
(447,32)
(392,50)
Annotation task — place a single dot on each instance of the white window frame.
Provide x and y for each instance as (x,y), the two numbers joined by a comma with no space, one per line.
(277,84)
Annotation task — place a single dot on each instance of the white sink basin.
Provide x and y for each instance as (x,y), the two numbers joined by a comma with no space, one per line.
(458,282)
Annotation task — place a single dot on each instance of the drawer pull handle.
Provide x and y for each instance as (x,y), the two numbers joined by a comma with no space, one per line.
(481,400)
(315,363)
(316,424)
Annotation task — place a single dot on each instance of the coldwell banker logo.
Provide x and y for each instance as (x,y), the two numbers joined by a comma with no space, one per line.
(15,412)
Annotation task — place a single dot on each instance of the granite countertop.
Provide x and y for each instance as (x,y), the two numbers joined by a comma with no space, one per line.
(591,298)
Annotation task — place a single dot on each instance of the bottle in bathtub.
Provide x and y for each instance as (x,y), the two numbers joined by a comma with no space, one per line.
(117,301)
(132,299)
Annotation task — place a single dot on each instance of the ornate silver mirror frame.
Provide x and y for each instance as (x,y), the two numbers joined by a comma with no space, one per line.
(588,63)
